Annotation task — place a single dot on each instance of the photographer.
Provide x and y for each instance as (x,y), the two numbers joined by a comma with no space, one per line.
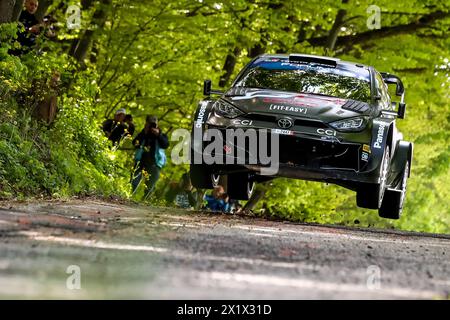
(32,27)
(115,128)
(148,140)
(27,38)
(130,124)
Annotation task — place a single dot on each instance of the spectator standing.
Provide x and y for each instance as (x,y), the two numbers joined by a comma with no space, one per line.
(32,27)
(115,128)
(149,142)
(129,122)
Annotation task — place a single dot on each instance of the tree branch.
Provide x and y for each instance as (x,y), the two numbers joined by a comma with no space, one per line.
(423,22)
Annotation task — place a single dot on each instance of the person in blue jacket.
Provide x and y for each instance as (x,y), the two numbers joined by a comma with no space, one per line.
(218,200)
(148,139)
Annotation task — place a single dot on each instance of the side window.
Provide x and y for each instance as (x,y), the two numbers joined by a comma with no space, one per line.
(383,91)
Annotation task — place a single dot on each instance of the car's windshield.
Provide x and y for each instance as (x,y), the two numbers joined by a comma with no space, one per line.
(307,78)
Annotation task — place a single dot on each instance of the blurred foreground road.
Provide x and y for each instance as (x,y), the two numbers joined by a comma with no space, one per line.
(139,252)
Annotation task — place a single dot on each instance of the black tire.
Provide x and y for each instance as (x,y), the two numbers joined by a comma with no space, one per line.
(201,177)
(239,186)
(392,205)
(370,195)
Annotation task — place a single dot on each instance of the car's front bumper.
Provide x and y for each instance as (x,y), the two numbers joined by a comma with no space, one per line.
(309,155)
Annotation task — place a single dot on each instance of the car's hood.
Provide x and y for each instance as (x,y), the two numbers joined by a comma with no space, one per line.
(312,106)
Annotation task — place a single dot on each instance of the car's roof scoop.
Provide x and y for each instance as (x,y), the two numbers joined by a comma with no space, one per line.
(306,58)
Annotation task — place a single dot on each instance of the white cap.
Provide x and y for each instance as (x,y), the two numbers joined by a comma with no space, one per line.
(122,110)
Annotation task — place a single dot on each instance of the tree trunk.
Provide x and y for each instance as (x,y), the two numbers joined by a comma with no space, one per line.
(81,49)
(257,50)
(42,9)
(301,35)
(6,10)
(46,109)
(83,45)
(334,32)
(257,195)
(17,10)
(85,5)
(228,67)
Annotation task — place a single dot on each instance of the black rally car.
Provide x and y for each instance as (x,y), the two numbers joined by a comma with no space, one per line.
(334,122)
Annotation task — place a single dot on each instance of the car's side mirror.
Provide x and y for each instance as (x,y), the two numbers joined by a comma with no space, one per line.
(393,79)
(401,110)
(207,87)
(207,91)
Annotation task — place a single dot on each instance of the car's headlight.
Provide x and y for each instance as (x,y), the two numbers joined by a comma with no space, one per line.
(352,124)
(226,110)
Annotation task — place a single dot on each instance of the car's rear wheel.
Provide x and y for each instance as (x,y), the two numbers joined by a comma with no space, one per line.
(240,186)
(370,195)
(202,177)
(392,205)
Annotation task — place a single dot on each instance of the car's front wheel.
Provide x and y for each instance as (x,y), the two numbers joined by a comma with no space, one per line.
(370,195)
(202,177)
(240,186)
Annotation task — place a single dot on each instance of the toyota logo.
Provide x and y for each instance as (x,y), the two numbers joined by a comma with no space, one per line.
(285,123)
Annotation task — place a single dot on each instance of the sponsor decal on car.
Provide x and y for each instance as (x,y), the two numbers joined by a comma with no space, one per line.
(200,118)
(280,107)
(327,132)
(284,132)
(366,148)
(380,134)
(243,122)
(364,156)
(306,101)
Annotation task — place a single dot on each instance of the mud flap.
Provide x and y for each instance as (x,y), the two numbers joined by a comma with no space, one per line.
(403,153)
(200,117)
(380,133)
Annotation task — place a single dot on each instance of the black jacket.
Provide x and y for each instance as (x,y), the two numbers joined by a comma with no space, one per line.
(114,129)
(27,38)
(148,141)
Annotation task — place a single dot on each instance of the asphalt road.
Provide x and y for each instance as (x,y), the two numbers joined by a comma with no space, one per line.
(98,250)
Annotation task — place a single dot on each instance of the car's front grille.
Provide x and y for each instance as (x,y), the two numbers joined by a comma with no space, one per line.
(310,123)
(261,117)
(296,151)
(273,119)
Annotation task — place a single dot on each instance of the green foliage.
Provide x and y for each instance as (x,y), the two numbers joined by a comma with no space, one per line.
(68,158)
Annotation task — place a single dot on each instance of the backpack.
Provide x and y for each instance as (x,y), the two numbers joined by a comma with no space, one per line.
(160,155)
(139,152)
